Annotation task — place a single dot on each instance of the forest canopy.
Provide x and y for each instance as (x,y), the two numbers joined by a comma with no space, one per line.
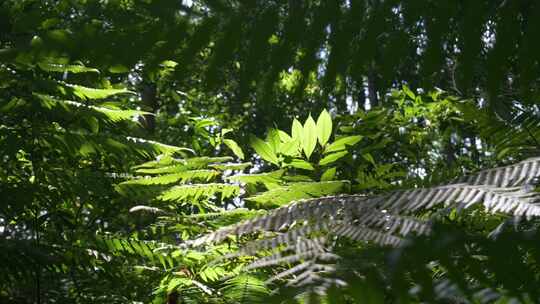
(212,151)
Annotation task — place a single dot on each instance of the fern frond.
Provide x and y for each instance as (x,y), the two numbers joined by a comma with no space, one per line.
(88,143)
(148,250)
(93,93)
(197,191)
(519,134)
(381,219)
(514,175)
(359,233)
(157,146)
(289,238)
(146,209)
(20,258)
(281,258)
(295,191)
(108,114)
(517,202)
(230,166)
(269,179)
(63,68)
(312,275)
(169,165)
(275,219)
(245,289)
(181,177)
(392,223)
(291,271)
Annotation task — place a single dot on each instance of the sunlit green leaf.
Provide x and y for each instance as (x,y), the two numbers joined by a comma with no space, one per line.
(231,166)
(62,68)
(285,194)
(264,150)
(290,148)
(329,174)
(269,179)
(284,136)
(309,137)
(369,158)
(118,69)
(193,192)
(297,130)
(301,164)
(408,92)
(273,139)
(91,93)
(324,127)
(342,143)
(330,158)
(234,147)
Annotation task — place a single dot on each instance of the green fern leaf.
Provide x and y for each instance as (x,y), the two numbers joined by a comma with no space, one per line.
(269,179)
(282,195)
(62,68)
(197,191)
(182,177)
(91,93)
(245,289)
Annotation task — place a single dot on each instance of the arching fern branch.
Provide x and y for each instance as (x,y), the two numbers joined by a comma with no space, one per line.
(381,219)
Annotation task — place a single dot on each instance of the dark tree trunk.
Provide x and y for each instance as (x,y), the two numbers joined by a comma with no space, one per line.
(150,103)
(372,89)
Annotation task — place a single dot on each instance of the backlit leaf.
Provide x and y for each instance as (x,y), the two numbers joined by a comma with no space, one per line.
(330,158)
(329,174)
(342,143)
(297,130)
(309,140)
(91,93)
(234,147)
(284,136)
(264,150)
(289,148)
(300,164)
(324,127)
(62,68)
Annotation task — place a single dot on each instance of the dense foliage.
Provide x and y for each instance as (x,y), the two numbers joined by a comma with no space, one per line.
(212,151)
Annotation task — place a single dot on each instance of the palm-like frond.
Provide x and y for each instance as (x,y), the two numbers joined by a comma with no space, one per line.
(245,289)
(382,219)
(196,191)
(109,114)
(277,196)
(519,133)
(193,180)
(180,177)
(146,250)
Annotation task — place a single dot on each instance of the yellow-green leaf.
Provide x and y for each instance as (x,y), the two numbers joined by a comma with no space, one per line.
(309,136)
(284,136)
(369,158)
(285,194)
(409,92)
(329,174)
(62,68)
(91,93)
(324,127)
(300,164)
(342,143)
(297,130)
(264,150)
(118,69)
(273,139)
(235,148)
(289,148)
(328,159)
